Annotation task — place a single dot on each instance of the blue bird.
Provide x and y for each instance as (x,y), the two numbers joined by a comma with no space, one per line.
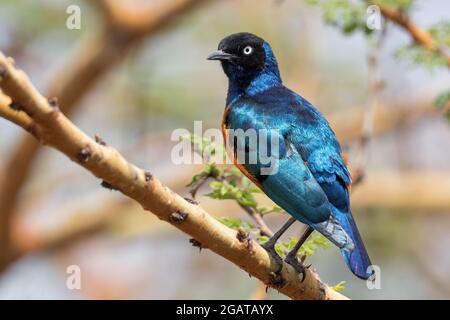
(311,181)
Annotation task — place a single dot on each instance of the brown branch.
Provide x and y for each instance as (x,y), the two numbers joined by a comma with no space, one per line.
(407,191)
(17,117)
(138,17)
(106,163)
(419,35)
(84,69)
(264,229)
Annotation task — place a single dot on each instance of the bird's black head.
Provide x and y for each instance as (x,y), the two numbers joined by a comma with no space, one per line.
(248,62)
(241,49)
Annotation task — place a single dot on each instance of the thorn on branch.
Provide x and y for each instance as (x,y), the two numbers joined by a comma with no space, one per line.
(99,140)
(244,237)
(177,217)
(16,106)
(3,72)
(196,243)
(148,176)
(192,201)
(276,280)
(53,102)
(11,60)
(107,185)
(84,154)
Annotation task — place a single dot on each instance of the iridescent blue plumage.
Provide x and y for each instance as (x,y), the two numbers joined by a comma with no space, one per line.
(312,181)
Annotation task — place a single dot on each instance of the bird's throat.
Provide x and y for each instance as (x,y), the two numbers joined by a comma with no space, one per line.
(250,83)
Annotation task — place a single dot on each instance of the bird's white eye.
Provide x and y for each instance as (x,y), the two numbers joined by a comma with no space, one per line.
(247,50)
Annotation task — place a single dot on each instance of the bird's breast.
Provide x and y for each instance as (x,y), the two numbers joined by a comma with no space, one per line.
(231,151)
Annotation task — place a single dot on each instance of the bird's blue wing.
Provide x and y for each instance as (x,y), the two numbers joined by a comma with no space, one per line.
(316,142)
(295,189)
(293,186)
(323,156)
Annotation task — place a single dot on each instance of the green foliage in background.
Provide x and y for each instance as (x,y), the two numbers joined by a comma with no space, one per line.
(419,55)
(350,16)
(442,101)
(346,15)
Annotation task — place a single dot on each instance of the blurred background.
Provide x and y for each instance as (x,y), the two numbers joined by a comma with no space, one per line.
(136,70)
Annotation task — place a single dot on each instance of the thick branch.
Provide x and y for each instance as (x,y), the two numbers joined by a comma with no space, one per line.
(94,59)
(109,165)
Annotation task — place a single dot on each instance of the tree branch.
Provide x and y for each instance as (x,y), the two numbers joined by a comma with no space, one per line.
(87,65)
(106,163)
(419,35)
(17,117)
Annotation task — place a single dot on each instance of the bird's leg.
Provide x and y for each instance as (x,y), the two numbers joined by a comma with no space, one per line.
(270,244)
(291,257)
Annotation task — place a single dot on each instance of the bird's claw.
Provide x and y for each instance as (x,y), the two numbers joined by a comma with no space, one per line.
(270,248)
(297,265)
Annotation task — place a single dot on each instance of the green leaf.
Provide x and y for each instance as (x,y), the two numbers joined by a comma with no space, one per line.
(440,32)
(347,15)
(204,146)
(339,287)
(263,239)
(314,242)
(213,170)
(395,4)
(442,99)
(234,223)
(280,249)
(417,54)
(230,222)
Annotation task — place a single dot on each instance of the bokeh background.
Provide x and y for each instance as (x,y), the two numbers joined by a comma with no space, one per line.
(151,77)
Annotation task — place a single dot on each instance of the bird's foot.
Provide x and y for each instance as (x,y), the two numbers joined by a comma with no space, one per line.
(270,248)
(292,259)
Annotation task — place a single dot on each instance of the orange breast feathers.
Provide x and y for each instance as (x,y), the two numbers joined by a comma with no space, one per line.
(232,153)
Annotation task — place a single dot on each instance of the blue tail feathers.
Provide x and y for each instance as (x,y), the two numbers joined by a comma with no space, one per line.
(357,259)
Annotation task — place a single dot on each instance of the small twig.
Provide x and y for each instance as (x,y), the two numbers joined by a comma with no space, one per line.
(256,216)
(194,190)
(375,86)
(264,230)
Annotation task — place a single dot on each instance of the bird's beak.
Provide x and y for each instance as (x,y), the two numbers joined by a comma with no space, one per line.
(219,55)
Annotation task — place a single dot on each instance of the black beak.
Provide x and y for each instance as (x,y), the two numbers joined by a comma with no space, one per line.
(220,55)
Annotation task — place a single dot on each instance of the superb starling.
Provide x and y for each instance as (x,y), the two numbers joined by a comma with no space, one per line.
(311,182)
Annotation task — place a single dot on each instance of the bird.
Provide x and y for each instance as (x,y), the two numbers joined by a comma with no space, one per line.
(311,182)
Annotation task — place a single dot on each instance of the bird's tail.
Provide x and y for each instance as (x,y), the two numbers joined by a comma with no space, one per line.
(357,259)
